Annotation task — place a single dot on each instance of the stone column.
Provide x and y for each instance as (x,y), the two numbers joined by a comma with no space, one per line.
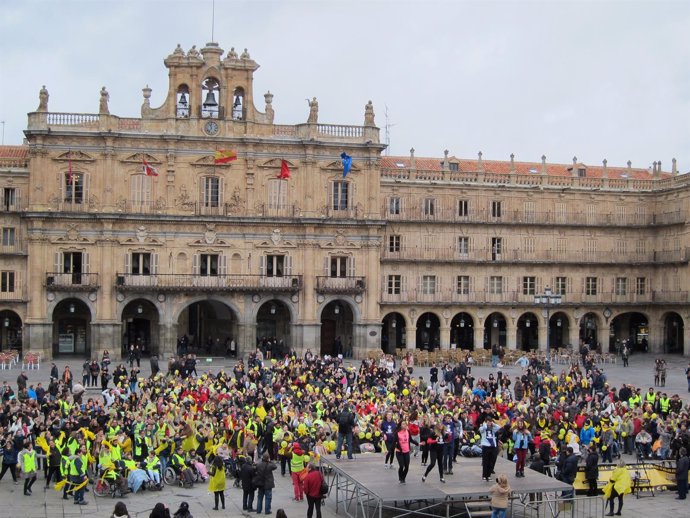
(541,340)
(445,337)
(167,340)
(246,340)
(574,330)
(656,339)
(106,336)
(38,338)
(411,337)
(511,334)
(479,335)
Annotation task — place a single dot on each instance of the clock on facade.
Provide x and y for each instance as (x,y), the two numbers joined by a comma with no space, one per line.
(211,127)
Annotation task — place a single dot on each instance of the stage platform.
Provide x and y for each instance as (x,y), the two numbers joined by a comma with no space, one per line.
(364,488)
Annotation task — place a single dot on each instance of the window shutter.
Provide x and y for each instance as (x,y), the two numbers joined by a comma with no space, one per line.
(128,262)
(288,265)
(154,264)
(85,262)
(351,267)
(85,184)
(419,285)
(223,264)
(584,285)
(221,192)
(403,284)
(537,285)
(470,284)
(262,265)
(487,280)
(327,266)
(58,262)
(352,195)
(195,264)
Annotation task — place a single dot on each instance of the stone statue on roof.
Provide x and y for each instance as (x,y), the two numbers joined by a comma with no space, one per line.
(193,53)
(43,96)
(178,50)
(313,111)
(270,114)
(103,105)
(232,54)
(369,114)
(245,55)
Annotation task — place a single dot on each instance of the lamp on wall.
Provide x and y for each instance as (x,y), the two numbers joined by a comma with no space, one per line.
(527,323)
(140,309)
(71,308)
(428,323)
(336,310)
(7,322)
(394,324)
(559,323)
(495,323)
(273,309)
(462,322)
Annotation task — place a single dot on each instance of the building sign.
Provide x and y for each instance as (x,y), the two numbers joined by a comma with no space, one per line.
(66,343)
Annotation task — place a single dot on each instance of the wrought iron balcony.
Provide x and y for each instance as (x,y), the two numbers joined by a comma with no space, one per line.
(56,281)
(340,285)
(182,282)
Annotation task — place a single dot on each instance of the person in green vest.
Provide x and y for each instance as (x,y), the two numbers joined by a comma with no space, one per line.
(77,475)
(28,462)
(664,405)
(152,466)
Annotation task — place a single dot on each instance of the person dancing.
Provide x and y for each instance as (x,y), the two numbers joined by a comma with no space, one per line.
(434,445)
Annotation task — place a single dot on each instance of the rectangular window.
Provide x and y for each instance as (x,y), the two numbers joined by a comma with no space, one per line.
(561,213)
(621,247)
(9,198)
(338,266)
(561,245)
(463,245)
(496,209)
(561,285)
(140,190)
(74,188)
(394,243)
(208,265)
(211,191)
(8,234)
(591,214)
(529,245)
(530,211)
(394,284)
(462,285)
(454,166)
(641,285)
(641,247)
(428,284)
(495,285)
(7,282)
(277,194)
(463,208)
(275,265)
(72,262)
(429,207)
(394,206)
(621,287)
(591,285)
(496,248)
(529,285)
(341,198)
(141,263)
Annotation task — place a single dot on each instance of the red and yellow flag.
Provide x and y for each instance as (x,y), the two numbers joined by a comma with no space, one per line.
(223,156)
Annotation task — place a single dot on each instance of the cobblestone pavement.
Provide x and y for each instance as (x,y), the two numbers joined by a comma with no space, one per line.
(49,503)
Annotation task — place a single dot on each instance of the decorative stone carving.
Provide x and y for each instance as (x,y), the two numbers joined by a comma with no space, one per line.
(245,55)
(43,97)
(210,234)
(142,234)
(313,111)
(193,53)
(103,105)
(369,114)
(276,238)
(232,54)
(160,203)
(270,114)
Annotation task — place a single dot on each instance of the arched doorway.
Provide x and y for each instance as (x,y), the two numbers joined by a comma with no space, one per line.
(140,327)
(11,331)
(527,338)
(674,330)
(428,329)
(206,327)
(495,330)
(559,331)
(71,329)
(589,330)
(336,329)
(273,328)
(393,333)
(462,331)
(631,329)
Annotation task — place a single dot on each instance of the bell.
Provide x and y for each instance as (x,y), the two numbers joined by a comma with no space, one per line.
(183,100)
(238,102)
(210,100)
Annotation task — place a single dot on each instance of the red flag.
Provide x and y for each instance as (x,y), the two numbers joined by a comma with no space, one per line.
(149,169)
(70,177)
(284,170)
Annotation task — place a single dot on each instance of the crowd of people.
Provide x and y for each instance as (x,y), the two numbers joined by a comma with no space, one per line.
(183,427)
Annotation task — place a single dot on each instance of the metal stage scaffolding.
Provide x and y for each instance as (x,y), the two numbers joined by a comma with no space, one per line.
(363,488)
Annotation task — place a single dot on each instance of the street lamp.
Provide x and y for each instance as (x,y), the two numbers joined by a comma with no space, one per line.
(546,300)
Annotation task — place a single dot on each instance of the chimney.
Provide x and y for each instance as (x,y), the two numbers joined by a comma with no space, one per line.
(629,167)
(543,164)
(512,162)
(574,160)
(413,162)
(654,168)
(605,170)
(674,166)
(480,165)
(445,160)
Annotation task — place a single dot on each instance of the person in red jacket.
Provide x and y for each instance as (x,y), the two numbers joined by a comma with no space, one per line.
(312,488)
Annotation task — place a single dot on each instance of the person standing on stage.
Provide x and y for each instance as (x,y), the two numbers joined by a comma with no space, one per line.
(403,439)
(434,444)
(388,428)
(521,439)
(489,445)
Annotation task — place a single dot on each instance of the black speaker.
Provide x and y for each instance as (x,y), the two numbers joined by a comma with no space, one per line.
(359,284)
(120,281)
(50,280)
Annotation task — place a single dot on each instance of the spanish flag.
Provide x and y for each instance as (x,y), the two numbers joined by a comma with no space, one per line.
(223,156)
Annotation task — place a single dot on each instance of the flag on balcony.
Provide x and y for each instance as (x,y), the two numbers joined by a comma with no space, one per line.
(284,170)
(148,169)
(223,156)
(347,163)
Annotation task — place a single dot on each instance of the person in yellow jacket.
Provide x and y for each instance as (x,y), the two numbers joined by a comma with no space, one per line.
(619,484)
(216,483)
(28,463)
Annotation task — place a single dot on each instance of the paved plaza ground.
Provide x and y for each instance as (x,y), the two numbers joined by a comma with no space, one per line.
(49,503)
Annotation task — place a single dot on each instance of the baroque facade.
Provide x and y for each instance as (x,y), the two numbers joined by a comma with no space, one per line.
(403,252)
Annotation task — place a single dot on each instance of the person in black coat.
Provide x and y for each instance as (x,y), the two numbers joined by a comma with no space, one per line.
(264,469)
(682,474)
(246,474)
(569,471)
(592,470)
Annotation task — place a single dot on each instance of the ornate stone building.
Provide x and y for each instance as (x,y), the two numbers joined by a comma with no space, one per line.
(402,252)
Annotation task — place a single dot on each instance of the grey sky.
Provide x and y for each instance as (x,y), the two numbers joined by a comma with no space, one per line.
(598,79)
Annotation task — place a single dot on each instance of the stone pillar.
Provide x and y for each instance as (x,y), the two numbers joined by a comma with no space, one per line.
(411,337)
(479,335)
(656,339)
(541,338)
(686,340)
(574,330)
(106,336)
(167,340)
(511,334)
(38,338)
(246,340)
(445,337)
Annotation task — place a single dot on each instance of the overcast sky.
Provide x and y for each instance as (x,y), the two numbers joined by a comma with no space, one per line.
(598,79)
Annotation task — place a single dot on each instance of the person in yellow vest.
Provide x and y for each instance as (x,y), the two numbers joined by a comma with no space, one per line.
(27,462)
(216,484)
(297,462)
(619,484)
(152,466)
(77,475)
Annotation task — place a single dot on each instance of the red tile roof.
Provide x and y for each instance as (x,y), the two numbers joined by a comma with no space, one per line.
(525,168)
(14,151)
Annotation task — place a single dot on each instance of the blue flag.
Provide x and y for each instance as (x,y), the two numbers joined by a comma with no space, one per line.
(347,163)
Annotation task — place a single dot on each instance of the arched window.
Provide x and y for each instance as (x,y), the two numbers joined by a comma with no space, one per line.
(182,102)
(238,112)
(210,92)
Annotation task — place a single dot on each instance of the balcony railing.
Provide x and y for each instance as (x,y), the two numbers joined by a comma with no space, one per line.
(16,248)
(476,297)
(71,281)
(191,282)
(340,284)
(541,256)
